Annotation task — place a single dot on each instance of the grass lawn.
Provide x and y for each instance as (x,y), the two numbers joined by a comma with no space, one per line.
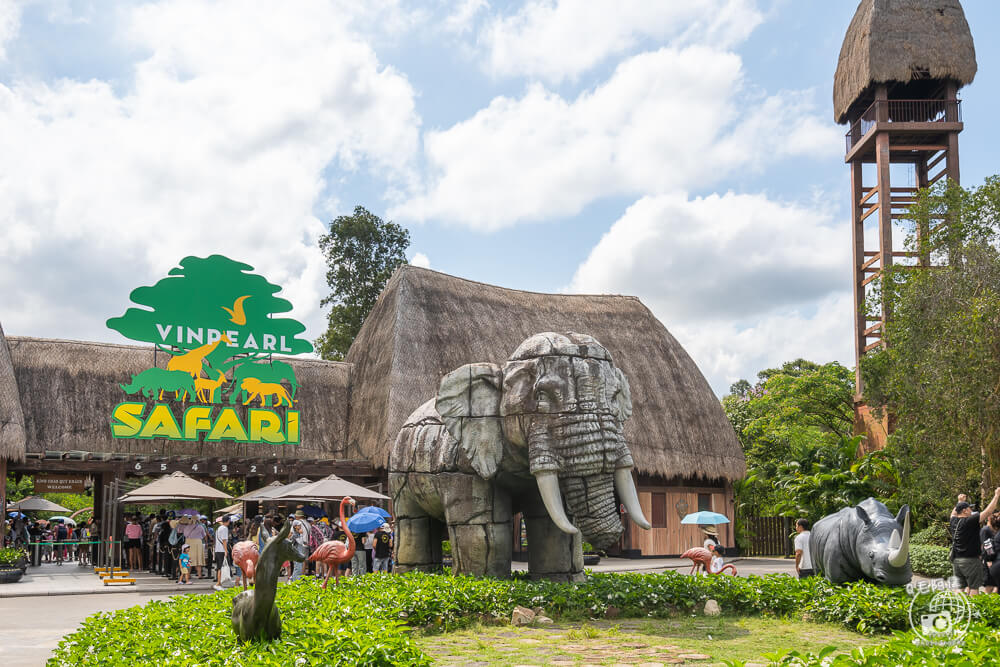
(681,640)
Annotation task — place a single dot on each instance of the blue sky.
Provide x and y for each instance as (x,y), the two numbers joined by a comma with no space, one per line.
(681,152)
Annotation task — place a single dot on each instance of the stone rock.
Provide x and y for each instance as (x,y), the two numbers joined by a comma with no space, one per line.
(538,611)
(543,619)
(612,612)
(712,608)
(695,656)
(521,616)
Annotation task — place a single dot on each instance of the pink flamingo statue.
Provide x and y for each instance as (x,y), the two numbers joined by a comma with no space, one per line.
(246,555)
(335,552)
(701,559)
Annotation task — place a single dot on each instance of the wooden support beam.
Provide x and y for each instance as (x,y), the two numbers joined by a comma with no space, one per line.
(934,148)
(870,253)
(933,163)
(870,261)
(870,278)
(868,196)
(869,212)
(871,347)
(941,174)
(874,327)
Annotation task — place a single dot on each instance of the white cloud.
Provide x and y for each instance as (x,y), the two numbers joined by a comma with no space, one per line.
(735,277)
(665,120)
(219,146)
(10,22)
(462,19)
(421,260)
(558,39)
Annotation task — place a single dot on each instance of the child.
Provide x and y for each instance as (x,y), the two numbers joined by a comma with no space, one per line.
(185,561)
(716,565)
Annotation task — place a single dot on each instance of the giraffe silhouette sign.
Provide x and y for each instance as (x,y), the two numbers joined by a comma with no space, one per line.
(218,323)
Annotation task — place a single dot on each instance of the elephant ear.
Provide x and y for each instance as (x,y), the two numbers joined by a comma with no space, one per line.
(622,398)
(468,401)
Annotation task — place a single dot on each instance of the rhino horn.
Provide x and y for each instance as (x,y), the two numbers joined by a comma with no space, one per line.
(899,546)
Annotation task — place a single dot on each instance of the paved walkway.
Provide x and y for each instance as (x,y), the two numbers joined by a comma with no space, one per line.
(71,579)
(745,566)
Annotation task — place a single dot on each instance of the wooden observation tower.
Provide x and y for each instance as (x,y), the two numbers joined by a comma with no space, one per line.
(896,88)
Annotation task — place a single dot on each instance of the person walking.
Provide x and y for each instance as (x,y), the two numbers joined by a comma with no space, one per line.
(383,549)
(988,536)
(185,563)
(966,548)
(221,547)
(803,557)
(299,536)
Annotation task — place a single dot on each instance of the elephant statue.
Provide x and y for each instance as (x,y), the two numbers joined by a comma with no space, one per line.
(542,435)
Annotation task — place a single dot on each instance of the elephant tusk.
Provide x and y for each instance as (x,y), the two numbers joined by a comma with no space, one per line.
(548,486)
(630,499)
(899,552)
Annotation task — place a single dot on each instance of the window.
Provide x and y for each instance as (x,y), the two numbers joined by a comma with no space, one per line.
(659,505)
(704,502)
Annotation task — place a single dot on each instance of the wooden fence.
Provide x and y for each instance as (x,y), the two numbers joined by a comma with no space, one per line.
(768,536)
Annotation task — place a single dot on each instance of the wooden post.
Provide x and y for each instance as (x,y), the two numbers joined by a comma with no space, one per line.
(923,230)
(3,499)
(884,213)
(858,239)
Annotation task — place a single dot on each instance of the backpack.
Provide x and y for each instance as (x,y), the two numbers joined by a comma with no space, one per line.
(61,533)
(989,549)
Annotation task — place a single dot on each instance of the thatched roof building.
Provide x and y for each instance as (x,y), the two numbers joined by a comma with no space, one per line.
(426,324)
(901,41)
(12,442)
(68,390)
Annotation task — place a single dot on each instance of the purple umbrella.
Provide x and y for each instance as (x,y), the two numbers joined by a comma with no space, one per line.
(189,512)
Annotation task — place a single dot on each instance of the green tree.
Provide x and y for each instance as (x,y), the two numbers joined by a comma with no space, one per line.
(795,425)
(362,252)
(939,375)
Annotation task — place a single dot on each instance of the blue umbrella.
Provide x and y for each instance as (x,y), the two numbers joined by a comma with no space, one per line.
(17,515)
(705,518)
(372,509)
(362,522)
(313,511)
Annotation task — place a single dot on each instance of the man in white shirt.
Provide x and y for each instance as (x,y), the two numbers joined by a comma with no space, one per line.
(221,546)
(803,559)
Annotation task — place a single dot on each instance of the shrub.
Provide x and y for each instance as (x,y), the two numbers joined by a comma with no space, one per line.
(930,561)
(368,620)
(10,556)
(935,535)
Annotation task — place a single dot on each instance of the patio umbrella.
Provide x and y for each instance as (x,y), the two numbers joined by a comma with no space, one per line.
(363,522)
(235,507)
(176,486)
(253,495)
(705,518)
(374,510)
(273,493)
(36,504)
(65,519)
(330,487)
(17,515)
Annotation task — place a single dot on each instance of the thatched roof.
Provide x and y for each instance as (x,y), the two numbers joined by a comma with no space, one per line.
(68,390)
(426,324)
(12,442)
(897,41)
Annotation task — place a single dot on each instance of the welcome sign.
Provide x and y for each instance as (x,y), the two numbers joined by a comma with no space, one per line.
(218,323)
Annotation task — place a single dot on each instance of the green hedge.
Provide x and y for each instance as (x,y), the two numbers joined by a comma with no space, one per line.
(935,535)
(367,620)
(930,561)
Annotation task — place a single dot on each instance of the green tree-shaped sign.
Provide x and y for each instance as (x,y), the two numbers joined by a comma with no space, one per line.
(216,304)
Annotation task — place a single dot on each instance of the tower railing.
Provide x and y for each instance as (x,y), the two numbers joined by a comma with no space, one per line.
(903,111)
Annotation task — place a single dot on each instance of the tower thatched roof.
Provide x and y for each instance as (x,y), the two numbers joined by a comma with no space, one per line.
(426,324)
(68,390)
(899,40)
(12,442)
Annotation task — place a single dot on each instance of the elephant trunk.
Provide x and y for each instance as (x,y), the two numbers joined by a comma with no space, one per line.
(585,453)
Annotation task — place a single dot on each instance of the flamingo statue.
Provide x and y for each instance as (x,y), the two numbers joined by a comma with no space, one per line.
(246,555)
(702,558)
(335,552)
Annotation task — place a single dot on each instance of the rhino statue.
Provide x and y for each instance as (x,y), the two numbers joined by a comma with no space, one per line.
(863,543)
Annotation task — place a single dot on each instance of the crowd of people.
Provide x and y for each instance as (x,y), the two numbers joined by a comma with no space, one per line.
(185,547)
(58,541)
